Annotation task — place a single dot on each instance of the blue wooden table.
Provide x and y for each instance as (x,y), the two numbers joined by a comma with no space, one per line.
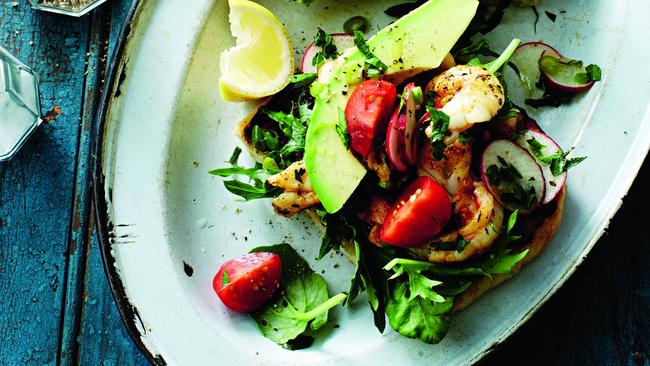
(56,304)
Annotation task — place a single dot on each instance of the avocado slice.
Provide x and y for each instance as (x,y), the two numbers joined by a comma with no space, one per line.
(417,42)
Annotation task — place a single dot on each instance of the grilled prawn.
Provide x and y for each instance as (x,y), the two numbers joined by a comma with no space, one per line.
(468,95)
(298,193)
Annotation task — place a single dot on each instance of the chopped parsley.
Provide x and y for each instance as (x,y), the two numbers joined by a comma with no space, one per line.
(328,49)
(302,80)
(235,156)
(372,64)
(439,126)
(458,245)
(225,279)
(342,129)
(508,180)
(558,162)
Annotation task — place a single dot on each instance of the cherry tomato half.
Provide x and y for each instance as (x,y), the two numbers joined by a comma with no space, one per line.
(244,284)
(418,215)
(367,110)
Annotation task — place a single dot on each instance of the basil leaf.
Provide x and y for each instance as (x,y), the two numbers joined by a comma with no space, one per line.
(301,301)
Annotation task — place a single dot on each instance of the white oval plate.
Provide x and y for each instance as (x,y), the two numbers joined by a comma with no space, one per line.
(163,126)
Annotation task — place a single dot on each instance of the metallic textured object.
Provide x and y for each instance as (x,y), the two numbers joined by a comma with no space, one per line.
(75,8)
(20,105)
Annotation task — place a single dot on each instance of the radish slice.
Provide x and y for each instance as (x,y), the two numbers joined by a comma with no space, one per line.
(342,42)
(554,184)
(395,141)
(410,143)
(562,74)
(526,58)
(513,176)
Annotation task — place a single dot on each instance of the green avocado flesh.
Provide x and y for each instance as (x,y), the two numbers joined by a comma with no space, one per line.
(417,42)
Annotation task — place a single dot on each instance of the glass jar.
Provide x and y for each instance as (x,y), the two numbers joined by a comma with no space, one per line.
(20,105)
(74,8)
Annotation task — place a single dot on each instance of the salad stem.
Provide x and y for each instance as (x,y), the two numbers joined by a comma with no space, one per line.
(320,309)
(505,56)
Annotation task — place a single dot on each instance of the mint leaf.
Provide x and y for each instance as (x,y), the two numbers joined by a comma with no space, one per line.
(594,72)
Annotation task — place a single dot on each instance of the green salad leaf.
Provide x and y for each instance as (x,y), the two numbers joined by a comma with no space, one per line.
(302,300)
(418,317)
(256,188)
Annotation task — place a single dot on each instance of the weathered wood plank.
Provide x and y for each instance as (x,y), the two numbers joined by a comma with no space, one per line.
(79,241)
(36,191)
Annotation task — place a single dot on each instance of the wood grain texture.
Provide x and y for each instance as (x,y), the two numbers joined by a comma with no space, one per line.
(36,187)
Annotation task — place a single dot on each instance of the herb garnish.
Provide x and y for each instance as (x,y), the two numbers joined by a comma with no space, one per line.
(342,129)
(225,279)
(550,15)
(509,183)
(303,80)
(328,49)
(235,156)
(558,162)
(439,126)
(458,245)
(372,64)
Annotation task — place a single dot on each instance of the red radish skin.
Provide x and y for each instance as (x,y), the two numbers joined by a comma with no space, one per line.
(250,281)
(410,138)
(523,161)
(395,142)
(554,184)
(342,41)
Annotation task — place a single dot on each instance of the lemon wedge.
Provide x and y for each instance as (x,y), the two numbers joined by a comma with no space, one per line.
(261,62)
